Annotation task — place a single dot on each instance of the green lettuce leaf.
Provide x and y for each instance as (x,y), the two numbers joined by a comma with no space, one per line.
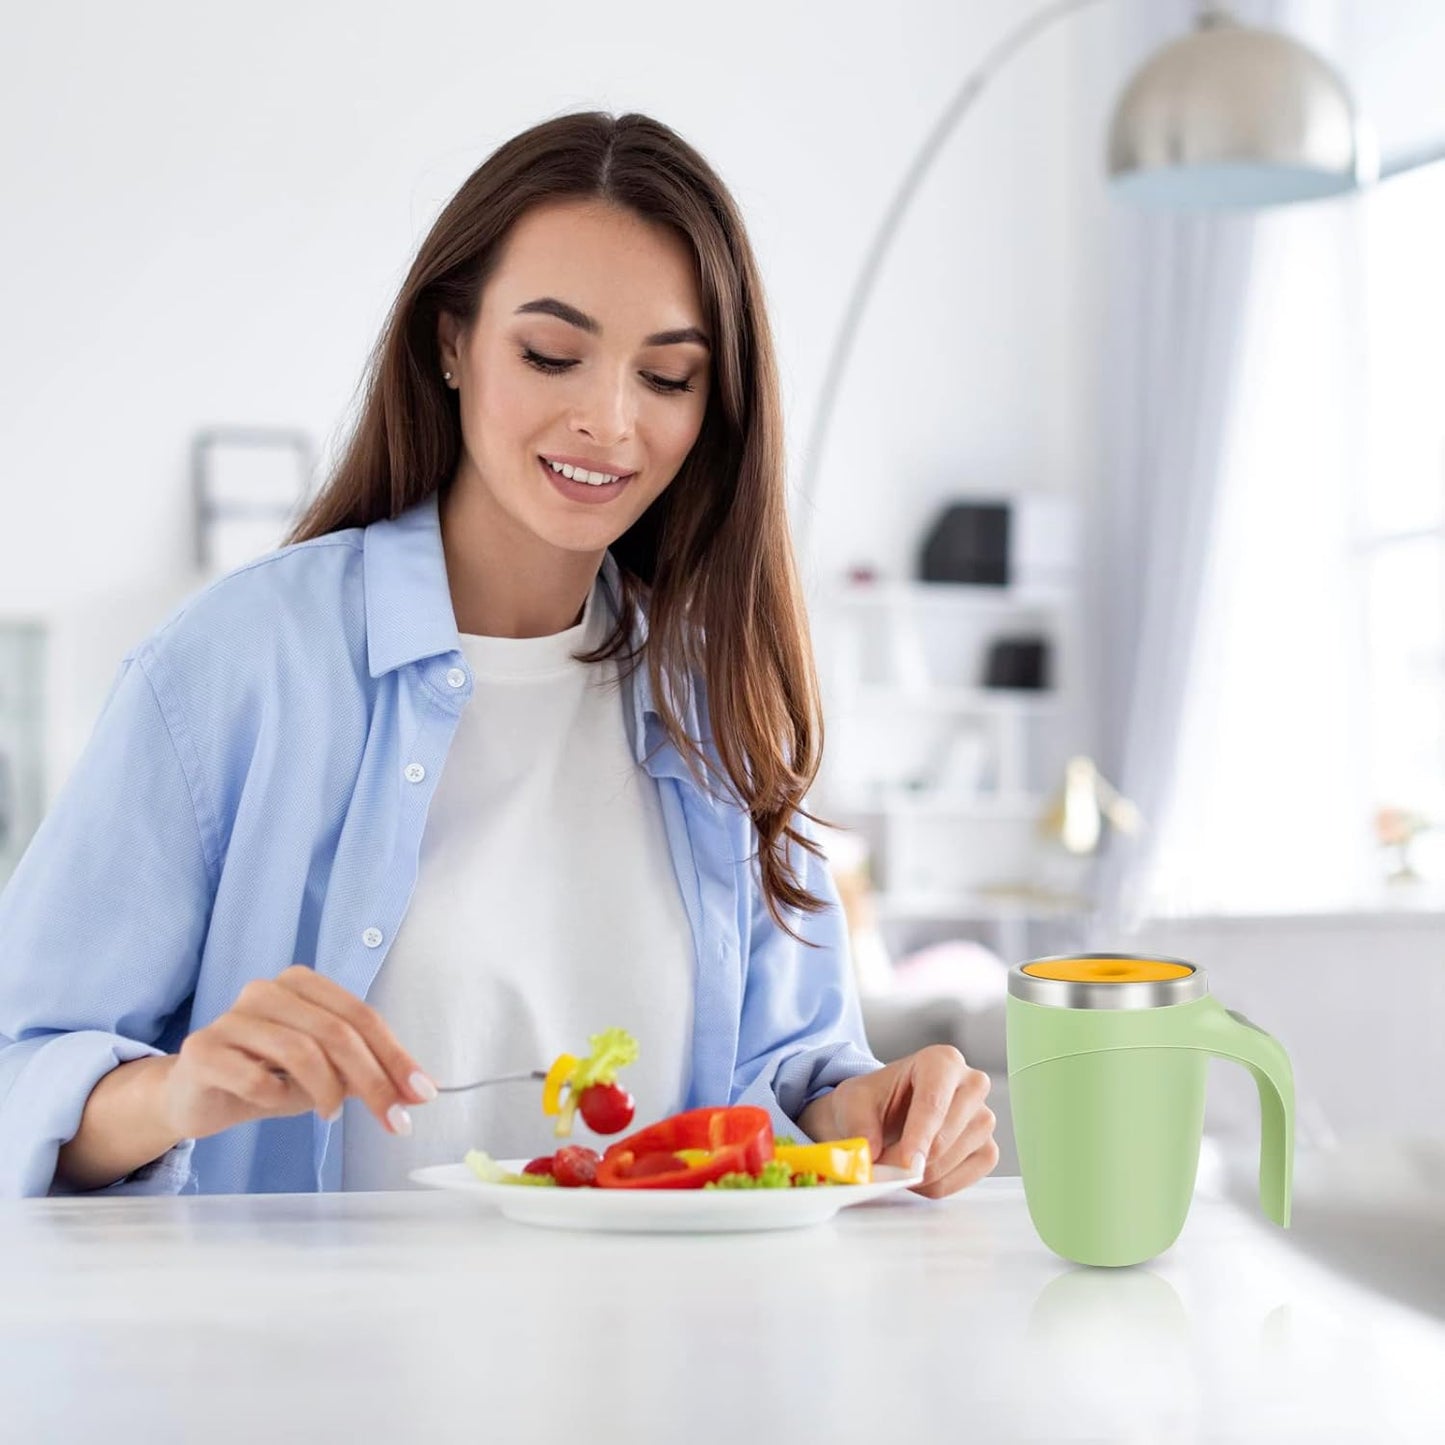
(612,1049)
(490,1172)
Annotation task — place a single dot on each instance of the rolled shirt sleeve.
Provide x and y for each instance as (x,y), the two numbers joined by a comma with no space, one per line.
(802,1025)
(101,931)
(45,1082)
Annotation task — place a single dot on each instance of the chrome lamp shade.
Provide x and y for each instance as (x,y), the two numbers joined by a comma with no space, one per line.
(1232,116)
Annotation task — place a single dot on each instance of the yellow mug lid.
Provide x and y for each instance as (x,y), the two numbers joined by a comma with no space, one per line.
(1105,969)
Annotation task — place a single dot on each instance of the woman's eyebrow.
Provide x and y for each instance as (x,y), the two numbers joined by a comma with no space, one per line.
(550,306)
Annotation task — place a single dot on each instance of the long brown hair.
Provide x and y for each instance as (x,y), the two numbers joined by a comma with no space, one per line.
(713,555)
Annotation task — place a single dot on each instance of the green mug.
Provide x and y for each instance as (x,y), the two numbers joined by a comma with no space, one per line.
(1107,1058)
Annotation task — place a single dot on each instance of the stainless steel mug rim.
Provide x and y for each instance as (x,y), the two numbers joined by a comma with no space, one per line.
(1064,993)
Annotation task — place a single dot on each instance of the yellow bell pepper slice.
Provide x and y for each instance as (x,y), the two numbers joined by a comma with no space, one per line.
(557,1076)
(844,1161)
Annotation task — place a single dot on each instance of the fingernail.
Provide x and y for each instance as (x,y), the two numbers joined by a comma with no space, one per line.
(422,1085)
(332,1117)
(918,1163)
(399,1120)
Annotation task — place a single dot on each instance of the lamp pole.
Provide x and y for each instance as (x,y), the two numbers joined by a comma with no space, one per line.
(1042,19)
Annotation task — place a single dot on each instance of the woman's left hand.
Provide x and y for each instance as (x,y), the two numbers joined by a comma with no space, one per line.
(926,1111)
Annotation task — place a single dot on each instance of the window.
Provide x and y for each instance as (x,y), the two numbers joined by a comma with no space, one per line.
(1401,540)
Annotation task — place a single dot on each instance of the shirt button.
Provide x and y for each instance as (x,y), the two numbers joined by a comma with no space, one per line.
(414,772)
(372,938)
(456,677)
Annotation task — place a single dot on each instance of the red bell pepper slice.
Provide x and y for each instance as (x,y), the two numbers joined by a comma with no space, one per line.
(738,1140)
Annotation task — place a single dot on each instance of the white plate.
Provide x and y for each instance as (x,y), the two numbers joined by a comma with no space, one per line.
(672,1211)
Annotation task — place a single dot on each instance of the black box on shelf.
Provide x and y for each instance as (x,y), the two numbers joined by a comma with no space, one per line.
(968,543)
(1021,662)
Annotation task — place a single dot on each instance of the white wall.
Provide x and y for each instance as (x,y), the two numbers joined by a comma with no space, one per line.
(209,209)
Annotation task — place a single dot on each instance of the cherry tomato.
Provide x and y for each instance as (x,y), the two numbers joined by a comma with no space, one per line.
(606,1108)
(539,1166)
(574,1166)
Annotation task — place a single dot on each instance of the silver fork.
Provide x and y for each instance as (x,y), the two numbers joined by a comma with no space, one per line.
(458,1088)
(500,1079)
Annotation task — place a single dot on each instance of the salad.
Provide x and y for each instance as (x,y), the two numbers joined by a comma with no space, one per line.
(589,1086)
(727,1147)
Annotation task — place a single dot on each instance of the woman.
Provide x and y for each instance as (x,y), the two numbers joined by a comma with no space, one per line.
(508,745)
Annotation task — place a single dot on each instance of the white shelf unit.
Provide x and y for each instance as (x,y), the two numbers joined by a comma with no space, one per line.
(22,736)
(946,778)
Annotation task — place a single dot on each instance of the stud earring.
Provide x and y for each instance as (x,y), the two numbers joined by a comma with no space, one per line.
(446,376)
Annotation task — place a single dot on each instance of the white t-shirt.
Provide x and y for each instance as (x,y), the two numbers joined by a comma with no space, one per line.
(546,909)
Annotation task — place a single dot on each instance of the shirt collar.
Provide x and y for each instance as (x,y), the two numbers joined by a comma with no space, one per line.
(409,615)
(408,603)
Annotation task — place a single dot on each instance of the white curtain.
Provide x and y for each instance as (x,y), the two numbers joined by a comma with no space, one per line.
(1176,302)
(1266,809)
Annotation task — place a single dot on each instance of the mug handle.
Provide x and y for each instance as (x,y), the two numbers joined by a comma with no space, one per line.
(1229,1035)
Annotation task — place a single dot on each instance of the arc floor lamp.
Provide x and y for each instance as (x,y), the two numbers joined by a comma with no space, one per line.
(1228,116)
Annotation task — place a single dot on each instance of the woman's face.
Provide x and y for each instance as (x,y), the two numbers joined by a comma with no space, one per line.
(573,356)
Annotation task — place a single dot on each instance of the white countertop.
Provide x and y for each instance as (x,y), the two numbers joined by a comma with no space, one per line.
(426,1317)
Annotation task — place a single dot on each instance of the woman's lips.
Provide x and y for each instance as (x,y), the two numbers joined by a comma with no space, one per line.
(580,491)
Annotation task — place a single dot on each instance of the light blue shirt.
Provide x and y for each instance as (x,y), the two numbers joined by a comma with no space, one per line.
(254,795)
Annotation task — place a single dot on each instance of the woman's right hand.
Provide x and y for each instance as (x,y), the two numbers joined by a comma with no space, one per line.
(326,1042)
